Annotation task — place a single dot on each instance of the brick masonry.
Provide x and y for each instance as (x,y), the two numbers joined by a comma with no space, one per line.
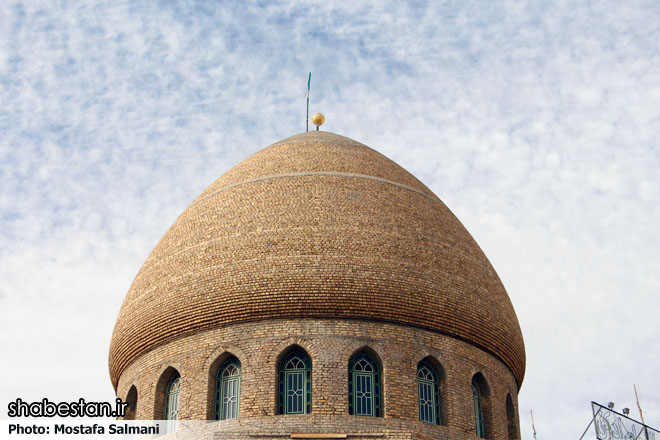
(330,343)
(319,241)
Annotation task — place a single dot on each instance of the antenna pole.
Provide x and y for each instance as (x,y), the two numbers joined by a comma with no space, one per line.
(640,412)
(309,81)
(638,406)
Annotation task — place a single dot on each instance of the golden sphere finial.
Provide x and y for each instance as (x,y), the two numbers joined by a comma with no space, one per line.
(318,119)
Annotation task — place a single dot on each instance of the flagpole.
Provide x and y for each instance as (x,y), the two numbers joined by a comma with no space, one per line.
(309,81)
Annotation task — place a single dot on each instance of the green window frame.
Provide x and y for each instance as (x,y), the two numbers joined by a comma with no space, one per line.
(295,384)
(172,398)
(364,387)
(478,411)
(428,394)
(228,390)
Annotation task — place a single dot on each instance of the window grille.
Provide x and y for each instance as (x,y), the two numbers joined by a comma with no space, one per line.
(172,402)
(478,412)
(364,387)
(428,394)
(228,390)
(295,384)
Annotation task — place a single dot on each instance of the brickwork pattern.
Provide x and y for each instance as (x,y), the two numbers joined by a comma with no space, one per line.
(330,343)
(316,226)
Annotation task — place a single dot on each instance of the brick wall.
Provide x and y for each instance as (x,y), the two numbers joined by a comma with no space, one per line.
(317,226)
(330,344)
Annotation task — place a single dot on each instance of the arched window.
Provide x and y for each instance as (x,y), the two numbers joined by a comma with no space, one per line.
(295,384)
(478,411)
(172,398)
(131,400)
(363,386)
(428,394)
(228,390)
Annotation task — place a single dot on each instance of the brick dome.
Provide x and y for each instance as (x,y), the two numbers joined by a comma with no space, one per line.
(317,226)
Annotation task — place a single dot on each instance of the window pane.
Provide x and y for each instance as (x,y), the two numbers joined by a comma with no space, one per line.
(173,406)
(230,390)
(363,394)
(426,405)
(478,415)
(225,401)
(295,392)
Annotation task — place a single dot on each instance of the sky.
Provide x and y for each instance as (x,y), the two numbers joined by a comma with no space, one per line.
(537,123)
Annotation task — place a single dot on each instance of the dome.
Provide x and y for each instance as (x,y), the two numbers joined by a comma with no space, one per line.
(317,226)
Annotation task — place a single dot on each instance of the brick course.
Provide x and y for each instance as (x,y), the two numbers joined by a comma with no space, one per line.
(317,225)
(329,343)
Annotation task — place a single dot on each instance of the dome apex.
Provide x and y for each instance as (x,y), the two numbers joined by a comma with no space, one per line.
(317,226)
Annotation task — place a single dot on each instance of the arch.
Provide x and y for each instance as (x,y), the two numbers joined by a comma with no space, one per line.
(131,400)
(428,393)
(286,345)
(213,364)
(511,426)
(228,389)
(481,406)
(294,381)
(436,360)
(172,398)
(220,355)
(168,387)
(364,384)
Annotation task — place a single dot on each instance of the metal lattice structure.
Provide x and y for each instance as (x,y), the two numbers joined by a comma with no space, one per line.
(611,425)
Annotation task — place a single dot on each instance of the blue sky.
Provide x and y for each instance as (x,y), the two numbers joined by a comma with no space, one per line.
(537,123)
